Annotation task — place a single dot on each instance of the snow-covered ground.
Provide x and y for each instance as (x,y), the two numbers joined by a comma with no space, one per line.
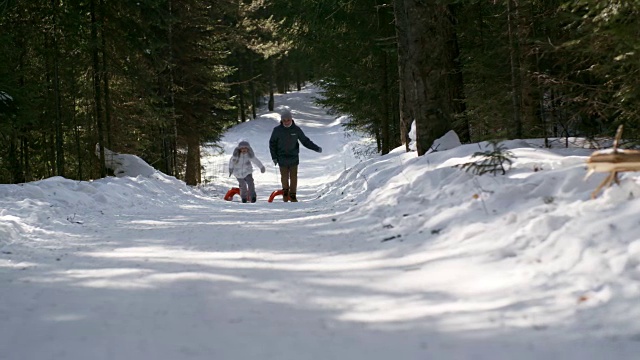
(396,256)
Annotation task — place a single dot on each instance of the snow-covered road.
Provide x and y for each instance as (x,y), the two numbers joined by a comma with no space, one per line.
(392,257)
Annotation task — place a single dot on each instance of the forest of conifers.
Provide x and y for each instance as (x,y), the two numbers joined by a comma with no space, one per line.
(161,78)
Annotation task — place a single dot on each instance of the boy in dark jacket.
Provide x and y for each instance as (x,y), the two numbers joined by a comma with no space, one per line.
(284,149)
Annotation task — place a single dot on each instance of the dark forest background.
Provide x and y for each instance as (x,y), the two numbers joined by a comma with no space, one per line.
(160,78)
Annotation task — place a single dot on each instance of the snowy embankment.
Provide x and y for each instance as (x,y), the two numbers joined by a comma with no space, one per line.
(530,247)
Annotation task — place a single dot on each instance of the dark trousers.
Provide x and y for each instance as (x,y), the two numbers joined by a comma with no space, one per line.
(289,178)
(247,187)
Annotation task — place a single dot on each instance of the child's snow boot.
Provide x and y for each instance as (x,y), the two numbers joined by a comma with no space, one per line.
(292,197)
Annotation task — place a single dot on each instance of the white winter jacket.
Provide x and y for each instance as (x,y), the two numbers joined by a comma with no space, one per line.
(240,163)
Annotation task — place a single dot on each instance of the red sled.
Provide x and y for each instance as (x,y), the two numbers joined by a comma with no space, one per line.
(274,194)
(231,192)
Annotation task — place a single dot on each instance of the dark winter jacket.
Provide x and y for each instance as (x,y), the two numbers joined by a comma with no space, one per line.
(284,146)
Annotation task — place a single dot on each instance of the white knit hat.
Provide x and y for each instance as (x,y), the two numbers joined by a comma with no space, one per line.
(286,114)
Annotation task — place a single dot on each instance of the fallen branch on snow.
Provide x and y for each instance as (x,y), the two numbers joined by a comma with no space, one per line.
(612,161)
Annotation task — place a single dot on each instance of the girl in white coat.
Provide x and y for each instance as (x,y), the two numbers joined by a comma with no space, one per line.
(240,167)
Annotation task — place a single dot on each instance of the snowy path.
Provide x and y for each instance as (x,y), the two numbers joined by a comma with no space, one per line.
(205,283)
(395,259)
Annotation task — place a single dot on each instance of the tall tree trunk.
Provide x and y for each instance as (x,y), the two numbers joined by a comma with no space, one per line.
(252,89)
(242,106)
(166,148)
(514,55)
(174,120)
(193,159)
(385,123)
(378,138)
(56,93)
(76,133)
(428,25)
(24,163)
(404,101)
(456,82)
(17,175)
(25,155)
(282,72)
(96,86)
(105,80)
(51,145)
(272,77)
(241,100)
(49,128)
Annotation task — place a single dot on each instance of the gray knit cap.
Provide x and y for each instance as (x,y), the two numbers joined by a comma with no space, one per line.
(286,114)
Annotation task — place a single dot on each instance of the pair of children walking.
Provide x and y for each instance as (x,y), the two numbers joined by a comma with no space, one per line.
(284,148)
